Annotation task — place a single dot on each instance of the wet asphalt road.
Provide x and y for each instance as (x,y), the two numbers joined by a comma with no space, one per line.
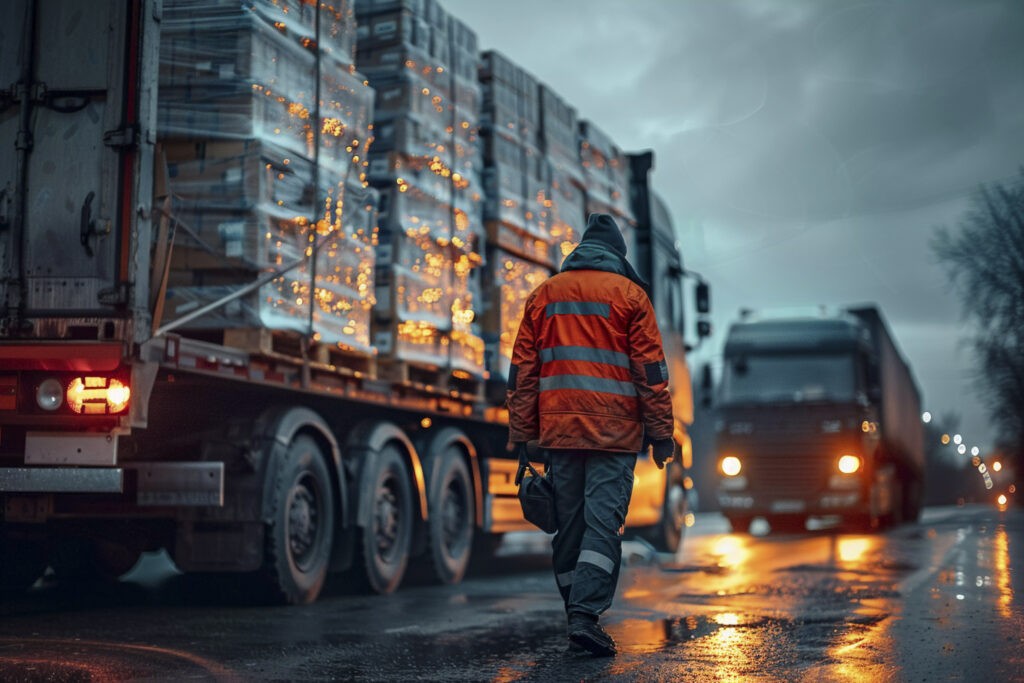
(936,601)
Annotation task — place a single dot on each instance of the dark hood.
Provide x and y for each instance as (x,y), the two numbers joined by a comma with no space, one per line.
(602,248)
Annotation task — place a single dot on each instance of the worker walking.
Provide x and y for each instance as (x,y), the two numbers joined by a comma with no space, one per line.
(589,382)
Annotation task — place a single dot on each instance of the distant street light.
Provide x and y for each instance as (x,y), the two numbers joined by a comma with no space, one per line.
(961,449)
(996,466)
(944,439)
(926,417)
(975,451)
(957,438)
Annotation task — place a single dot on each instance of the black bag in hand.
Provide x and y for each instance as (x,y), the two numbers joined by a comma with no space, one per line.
(536,495)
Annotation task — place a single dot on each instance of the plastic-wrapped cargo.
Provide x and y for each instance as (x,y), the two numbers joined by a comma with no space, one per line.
(559,139)
(510,281)
(226,73)
(246,208)
(426,162)
(393,27)
(605,173)
(567,211)
(295,18)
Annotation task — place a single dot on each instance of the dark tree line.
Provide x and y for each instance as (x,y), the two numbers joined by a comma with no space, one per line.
(984,258)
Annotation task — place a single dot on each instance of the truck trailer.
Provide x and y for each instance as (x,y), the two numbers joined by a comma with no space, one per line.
(263,264)
(818,415)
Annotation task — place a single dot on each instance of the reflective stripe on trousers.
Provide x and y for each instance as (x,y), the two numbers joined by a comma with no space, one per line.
(592,491)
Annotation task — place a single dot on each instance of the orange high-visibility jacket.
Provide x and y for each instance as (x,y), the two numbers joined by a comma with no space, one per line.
(588,371)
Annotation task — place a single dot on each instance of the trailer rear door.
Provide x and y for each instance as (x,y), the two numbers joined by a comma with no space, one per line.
(76,167)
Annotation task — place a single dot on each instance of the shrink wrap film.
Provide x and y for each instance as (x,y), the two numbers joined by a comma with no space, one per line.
(559,139)
(293,18)
(513,280)
(605,173)
(232,75)
(566,205)
(367,7)
(247,208)
(392,27)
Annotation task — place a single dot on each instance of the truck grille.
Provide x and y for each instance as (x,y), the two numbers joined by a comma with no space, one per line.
(787,469)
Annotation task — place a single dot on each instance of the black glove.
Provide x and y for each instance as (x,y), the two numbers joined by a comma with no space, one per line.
(662,451)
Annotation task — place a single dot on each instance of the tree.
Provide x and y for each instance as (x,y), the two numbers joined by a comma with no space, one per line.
(984,258)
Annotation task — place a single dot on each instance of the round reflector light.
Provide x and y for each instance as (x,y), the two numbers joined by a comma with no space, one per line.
(50,394)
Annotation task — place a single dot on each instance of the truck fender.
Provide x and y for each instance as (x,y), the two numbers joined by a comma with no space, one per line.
(276,428)
(366,441)
(441,440)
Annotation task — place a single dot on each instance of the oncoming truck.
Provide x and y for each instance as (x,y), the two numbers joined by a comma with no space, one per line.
(263,263)
(818,415)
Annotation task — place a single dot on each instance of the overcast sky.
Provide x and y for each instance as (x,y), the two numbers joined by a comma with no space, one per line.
(807,149)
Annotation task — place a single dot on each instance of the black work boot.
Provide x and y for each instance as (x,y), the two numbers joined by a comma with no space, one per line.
(585,632)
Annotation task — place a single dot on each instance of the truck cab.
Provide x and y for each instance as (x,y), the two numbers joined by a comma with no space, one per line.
(801,429)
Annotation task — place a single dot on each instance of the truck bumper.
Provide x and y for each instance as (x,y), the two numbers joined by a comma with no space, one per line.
(168,484)
(823,503)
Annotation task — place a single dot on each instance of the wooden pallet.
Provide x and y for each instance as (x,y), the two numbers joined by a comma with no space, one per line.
(266,342)
(431,379)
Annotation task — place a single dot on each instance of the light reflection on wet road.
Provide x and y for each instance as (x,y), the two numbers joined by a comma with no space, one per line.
(938,601)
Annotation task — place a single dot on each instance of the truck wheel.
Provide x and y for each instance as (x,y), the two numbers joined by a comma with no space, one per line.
(299,536)
(791,524)
(387,536)
(23,562)
(740,523)
(895,515)
(451,521)
(667,535)
(912,500)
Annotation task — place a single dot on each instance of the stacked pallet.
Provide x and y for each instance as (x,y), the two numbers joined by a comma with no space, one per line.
(425,162)
(265,123)
(606,177)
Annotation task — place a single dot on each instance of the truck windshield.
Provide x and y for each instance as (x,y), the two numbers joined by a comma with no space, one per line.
(789,378)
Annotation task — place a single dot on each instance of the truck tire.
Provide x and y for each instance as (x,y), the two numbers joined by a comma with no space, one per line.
(912,500)
(387,536)
(787,524)
(666,536)
(300,533)
(451,519)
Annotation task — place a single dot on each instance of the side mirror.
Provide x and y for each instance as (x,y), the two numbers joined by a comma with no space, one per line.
(705,385)
(703,297)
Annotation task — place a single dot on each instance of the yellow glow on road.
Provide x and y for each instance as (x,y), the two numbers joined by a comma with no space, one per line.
(731,551)
(852,549)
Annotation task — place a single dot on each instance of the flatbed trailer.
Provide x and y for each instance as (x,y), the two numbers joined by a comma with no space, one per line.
(257,451)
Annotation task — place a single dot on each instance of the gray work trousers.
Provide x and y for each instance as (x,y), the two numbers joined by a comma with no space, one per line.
(592,491)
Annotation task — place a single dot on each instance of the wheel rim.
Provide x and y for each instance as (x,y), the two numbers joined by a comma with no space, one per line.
(454,518)
(304,528)
(387,519)
(676,507)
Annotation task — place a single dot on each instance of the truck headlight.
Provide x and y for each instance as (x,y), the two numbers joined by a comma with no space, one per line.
(848,464)
(731,465)
(50,394)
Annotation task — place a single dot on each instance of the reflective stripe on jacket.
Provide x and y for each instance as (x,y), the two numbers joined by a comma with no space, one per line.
(588,371)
